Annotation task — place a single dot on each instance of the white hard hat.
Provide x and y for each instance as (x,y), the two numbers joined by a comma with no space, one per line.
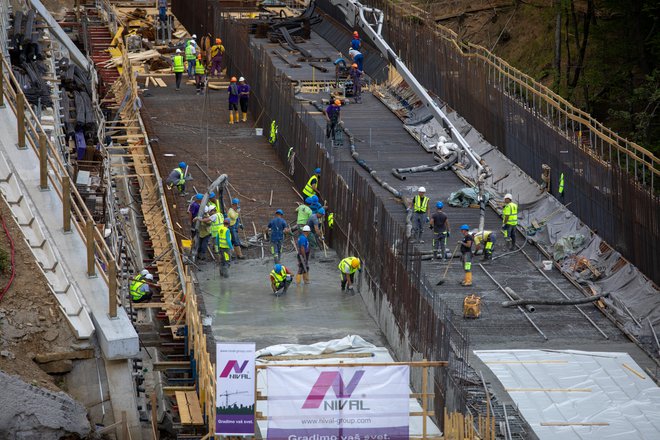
(241,79)
(194,36)
(508,196)
(207,208)
(144,272)
(178,51)
(149,277)
(307,229)
(421,189)
(474,231)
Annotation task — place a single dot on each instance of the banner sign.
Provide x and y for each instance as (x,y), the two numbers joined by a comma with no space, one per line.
(338,403)
(235,389)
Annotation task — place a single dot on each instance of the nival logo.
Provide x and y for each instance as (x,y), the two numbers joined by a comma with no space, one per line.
(332,379)
(238,371)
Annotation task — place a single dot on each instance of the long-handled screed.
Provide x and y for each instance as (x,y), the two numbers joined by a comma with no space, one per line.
(442,281)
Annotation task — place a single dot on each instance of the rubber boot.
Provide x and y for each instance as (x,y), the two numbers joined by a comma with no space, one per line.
(231,117)
(435,255)
(239,252)
(306,277)
(298,278)
(244,116)
(468,279)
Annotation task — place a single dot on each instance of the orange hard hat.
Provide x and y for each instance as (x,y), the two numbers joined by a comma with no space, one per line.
(337,102)
(355,34)
(218,41)
(354,66)
(233,79)
(199,56)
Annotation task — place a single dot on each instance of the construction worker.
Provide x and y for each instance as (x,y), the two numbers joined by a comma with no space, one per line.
(356,42)
(233,214)
(488,238)
(466,254)
(213,200)
(177,178)
(191,56)
(224,243)
(140,290)
(193,210)
(178,68)
(440,226)
(215,226)
(315,204)
(280,279)
(272,136)
(510,220)
(314,223)
(205,223)
(560,189)
(162,10)
(304,212)
(277,227)
(217,52)
(357,58)
(311,188)
(232,92)
(200,74)
(333,116)
(356,78)
(243,97)
(347,268)
(420,213)
(303,255)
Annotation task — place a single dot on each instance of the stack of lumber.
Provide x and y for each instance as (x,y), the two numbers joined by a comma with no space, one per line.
(134,58)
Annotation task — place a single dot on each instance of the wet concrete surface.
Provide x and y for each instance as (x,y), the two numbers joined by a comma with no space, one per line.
(244,308)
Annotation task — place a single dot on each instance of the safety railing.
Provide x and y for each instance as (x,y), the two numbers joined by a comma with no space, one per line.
(52,170)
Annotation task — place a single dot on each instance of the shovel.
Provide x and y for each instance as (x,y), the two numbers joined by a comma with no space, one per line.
(442,281)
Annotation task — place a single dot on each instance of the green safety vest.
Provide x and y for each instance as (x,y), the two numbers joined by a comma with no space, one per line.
(189,52)
(511,210)
(482,236)
(273,133)
(304,213)
(199,68)
(215,226)
(420,203)
(561,184)
(308,190)
(177,60)
(331,219)
(222,237)
(279,277)
(136,293)
(346,264)
(182,173)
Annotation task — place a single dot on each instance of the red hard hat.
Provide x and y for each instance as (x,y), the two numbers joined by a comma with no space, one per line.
(354,66)
(355,34)
(233,79)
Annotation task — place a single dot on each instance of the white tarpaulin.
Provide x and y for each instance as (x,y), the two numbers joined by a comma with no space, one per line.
(338,403)
(579,395)
(235,389)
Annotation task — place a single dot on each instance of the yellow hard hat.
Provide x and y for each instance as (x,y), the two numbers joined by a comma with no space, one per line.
(355,263)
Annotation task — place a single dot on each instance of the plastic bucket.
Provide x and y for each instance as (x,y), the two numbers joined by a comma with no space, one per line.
(547,264)
(259,131)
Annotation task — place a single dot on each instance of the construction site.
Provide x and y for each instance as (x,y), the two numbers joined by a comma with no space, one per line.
(484,259)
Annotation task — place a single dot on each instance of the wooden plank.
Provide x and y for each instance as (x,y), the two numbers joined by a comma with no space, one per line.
(164,365)
(633,371)
(194,408)
(64,355)
(184,411)
(159,81)
(156,305)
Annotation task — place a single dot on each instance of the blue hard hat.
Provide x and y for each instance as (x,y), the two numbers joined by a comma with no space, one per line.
(235,201)
(317,171)
(182,165)
(309,200)
(278,268)
(439,205)
(465,228)
(314,199)
(280,212)
(212,194)
(199,196)
(321,211)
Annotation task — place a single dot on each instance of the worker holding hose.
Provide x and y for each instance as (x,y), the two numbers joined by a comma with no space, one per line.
(466,254)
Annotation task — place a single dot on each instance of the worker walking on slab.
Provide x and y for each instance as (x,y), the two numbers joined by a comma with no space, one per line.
(178,68)
(440,226)
(466,254)
(420,213)
(304,213)
(233,96)
(193,210)
(277,227)
(217,52)
(233,214)
(244,97)
(205,224)
(140,290)
(225,245)
(200,74)
(191,56)
(356,78)
(280,279)
(178,178)
(488,239)
(311,188)
(333,117)
(303,255)
(347,268)
(510,220)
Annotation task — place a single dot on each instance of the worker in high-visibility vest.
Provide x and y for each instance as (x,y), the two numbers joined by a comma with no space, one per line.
(272,137)
(510,220)
(347,268)
(280,279)
(420,213)
(213,200)
(216,223)
(561,187)
(312,186)
(225,245)
(200,74)
(191,55)
(140,290)
(178,68)
(488,239)
(466,254)
(177,177)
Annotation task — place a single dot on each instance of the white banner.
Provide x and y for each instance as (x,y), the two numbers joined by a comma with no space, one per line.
(338,403)
(235,389)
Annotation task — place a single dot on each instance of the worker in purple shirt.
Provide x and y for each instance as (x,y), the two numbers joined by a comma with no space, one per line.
(332,116)
(356,42)
(356,77)
(193,209)
(244,96)
(232,90)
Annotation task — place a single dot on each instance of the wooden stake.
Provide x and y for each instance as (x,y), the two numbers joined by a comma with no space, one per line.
(89,239)
(66,203)
(20,120)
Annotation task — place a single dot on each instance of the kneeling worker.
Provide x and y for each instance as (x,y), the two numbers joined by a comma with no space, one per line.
(280,279)
(488,238)
(347,268)
(140,290)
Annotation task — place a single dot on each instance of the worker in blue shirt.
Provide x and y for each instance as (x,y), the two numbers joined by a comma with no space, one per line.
(315,204)
(277,227)
(303,255)
(356,42)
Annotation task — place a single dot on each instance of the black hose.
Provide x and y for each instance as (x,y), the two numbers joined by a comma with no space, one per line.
(556,302)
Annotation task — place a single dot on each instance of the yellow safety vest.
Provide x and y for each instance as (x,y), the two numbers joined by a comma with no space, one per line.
(481,236)
(136,293)
(561,184)
(215,226)
(273,133)
(222,237)
(346,264)
(279,277)
(511,209)
(199,68)
(331,219)
(420,203)
(308,190)
(182,173)
(177,60)
(218,48)
(189,52)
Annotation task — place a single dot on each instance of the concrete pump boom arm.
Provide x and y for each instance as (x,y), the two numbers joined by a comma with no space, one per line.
(370,21)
